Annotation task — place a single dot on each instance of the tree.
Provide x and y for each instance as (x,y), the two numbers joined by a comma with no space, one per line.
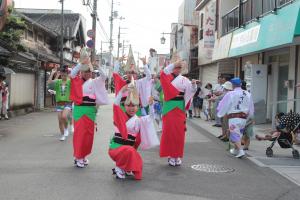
(12,32)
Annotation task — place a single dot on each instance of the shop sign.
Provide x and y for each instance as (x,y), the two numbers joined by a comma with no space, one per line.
(209,30)
(246,37)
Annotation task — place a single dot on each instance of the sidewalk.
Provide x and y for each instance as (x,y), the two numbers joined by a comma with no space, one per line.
(282,161)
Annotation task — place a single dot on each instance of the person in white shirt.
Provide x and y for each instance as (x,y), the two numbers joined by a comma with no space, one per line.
(238,106)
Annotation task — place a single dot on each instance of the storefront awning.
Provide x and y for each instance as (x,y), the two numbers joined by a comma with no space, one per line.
(274,30)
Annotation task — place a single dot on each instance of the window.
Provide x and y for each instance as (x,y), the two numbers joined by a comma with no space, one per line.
(246,11)
(230,21)
(268,5)
(257,8)
(250,10)
(40,37)
(30,35)
(282,2)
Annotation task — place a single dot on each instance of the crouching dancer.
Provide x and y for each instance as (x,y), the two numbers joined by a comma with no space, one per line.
(130,132)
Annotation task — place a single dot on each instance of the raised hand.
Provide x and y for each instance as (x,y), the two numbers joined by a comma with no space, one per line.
(144,60)
(123,58)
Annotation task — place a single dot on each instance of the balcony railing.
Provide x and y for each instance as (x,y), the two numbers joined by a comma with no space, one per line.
(250,10)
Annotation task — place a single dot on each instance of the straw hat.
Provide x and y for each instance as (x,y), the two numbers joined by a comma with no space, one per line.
(133,96)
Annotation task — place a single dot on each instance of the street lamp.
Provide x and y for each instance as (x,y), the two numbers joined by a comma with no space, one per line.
(163,39)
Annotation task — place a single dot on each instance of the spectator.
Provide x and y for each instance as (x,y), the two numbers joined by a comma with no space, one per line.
(217,91)
(207,102)
(248,132)
(198,101)
(112,85)
(5,95)
(2,87)
(225,129)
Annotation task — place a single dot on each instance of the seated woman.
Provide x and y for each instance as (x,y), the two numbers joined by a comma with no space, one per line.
(129,133)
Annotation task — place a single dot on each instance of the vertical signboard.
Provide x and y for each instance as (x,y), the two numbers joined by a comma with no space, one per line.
(209,29)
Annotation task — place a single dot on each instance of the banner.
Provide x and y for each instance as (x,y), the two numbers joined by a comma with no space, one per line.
(209,29)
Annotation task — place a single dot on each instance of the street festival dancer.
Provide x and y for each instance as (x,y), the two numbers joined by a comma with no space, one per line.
(143,85)
(178,92)
(238,106)
(130,132)
(86,93)
(62,89)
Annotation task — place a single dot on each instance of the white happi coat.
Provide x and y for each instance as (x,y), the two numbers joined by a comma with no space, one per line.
(94,88)
(236,101)
(182,84)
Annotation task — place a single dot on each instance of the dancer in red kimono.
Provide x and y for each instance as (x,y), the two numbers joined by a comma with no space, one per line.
(130,132)
(178,92)
(86,93)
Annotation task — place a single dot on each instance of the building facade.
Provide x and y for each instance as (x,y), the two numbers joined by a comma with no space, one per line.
(263,37)
(28,89)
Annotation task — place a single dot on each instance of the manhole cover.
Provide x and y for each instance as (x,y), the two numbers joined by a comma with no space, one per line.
(209,168)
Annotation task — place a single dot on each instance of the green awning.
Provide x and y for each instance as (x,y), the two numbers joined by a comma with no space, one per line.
(270,31)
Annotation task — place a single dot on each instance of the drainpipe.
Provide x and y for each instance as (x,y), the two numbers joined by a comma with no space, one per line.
(296,76)
(240,13)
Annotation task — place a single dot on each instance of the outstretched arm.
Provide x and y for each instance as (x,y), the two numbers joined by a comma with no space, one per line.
(117,66)
(75,70)
(169,69)
(119,96)
(146,68)
(51,76)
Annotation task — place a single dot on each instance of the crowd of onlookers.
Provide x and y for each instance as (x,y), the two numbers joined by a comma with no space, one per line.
(205,103)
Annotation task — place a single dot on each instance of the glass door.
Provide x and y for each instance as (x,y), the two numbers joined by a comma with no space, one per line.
(282,90)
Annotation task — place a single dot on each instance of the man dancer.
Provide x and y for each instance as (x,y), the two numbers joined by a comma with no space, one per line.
(238,106)
(85,93)
(178,92)
(63,103)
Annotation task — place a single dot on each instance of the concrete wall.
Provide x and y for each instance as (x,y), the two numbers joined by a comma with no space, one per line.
(22,88)
(185,11)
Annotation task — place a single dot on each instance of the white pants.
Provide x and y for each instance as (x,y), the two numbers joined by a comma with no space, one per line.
(236,128)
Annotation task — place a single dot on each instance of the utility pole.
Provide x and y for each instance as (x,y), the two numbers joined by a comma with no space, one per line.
(62,35)
(138,60)
(111,31)
(123,47)
(101,54)
(119,34)
(94,15)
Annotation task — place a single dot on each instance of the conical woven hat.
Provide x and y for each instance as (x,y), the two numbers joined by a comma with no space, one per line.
(133,96)
(130,64)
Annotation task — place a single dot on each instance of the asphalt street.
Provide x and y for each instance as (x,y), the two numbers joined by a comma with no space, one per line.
(36,165)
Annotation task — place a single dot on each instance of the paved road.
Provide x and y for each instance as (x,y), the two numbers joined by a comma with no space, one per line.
(35,165)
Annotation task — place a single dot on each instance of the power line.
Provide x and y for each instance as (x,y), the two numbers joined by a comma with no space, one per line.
(102,27)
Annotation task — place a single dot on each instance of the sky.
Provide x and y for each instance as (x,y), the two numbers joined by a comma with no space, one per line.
(144,21)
